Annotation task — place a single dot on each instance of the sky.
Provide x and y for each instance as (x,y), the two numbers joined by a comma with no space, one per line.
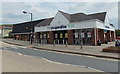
(12,11)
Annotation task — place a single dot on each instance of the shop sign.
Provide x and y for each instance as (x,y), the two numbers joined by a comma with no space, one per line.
(70,25)
(17,36)
(61,35)
(59,27)
(48,35)
(76,35)
(66,35)
(44,35)
(82,35)
(105,30)
(56,36)
(89,34)
(40,35)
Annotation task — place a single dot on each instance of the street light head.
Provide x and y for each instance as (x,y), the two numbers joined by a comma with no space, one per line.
(24,12)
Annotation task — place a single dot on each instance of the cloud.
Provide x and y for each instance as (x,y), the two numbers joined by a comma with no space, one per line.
(12,11)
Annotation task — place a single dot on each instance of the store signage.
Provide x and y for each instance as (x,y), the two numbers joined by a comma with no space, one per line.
(89,34)
(70,25)
(61,35)
(56,36)
(66,35)
(40,35)
(82,35)
(7,28)
(48,35)
(105,30)
(76,35)
(59,27)
(44,35)
(17,36)
(107,27)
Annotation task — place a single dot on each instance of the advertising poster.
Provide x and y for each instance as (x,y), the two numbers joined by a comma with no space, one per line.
(89,34)
(45,35)
(61,35)
(66,35)
(56,36)
(40,35)
(82,35)
(76,35)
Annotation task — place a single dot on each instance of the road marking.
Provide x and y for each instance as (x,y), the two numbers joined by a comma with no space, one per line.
(68,53)
(65,63)
(20,53)
(72,65)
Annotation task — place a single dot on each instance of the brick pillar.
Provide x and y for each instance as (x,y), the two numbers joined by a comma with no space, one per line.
(113,35)
(102,36)
(110,37)
(36,36)
(95,36)
(70,37)
(51,37)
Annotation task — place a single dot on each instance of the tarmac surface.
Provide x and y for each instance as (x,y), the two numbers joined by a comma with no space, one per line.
(13,61)
(82,61)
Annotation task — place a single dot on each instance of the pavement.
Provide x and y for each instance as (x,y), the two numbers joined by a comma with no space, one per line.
(95,51)
(14,62)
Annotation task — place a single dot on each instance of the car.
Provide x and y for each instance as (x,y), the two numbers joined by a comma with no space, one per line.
(117,43)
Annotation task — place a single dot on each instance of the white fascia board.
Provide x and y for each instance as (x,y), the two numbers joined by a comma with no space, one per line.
(101,25)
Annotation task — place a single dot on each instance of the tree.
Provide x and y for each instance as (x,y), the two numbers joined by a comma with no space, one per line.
(117,32)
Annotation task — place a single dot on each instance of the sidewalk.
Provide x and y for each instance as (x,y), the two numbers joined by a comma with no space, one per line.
(73,49)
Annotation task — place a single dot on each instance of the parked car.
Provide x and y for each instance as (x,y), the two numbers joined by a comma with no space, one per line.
(117,43)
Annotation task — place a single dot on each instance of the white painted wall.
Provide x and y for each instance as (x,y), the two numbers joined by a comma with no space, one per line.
(61,20)
(84,24)
(58,20)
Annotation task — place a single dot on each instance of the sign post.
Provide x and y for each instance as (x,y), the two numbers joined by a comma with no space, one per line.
(82,36)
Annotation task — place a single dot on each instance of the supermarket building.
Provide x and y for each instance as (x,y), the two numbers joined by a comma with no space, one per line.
(72,28)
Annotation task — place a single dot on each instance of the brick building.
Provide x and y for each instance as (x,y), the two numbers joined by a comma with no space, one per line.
(72,28)
(5,30)
(22,31)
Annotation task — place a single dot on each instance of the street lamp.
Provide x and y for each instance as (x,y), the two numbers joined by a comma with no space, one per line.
(31,36)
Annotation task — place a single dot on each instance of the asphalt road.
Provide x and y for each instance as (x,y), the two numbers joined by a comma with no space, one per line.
(99,64)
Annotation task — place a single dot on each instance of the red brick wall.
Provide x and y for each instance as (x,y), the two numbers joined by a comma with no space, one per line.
(51,37)
(70,37)
(37,36)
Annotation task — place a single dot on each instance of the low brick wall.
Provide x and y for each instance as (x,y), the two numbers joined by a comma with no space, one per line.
(117,50)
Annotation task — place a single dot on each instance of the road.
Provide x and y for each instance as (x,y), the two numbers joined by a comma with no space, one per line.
(90,62)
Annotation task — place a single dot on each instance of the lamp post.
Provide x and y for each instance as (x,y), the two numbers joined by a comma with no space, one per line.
(31,36)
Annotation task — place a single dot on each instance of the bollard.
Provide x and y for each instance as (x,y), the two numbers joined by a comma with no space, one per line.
(58,41)
(66,43)
(81,44)
(63,41)
(54,43)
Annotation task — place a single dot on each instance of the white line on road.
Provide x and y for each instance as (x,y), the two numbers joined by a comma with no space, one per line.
(71,64)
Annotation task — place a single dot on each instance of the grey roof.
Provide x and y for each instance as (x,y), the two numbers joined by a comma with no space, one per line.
(82,16)
(45,22)
(100,16)
(65,14)
(75,17)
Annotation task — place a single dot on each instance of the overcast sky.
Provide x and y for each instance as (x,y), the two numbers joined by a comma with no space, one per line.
(12,11)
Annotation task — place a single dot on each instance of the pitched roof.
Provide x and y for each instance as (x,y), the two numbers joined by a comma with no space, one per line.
(25,26)
(82,16)
(79,17)
(45,22)
(100,16)
(65,14)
